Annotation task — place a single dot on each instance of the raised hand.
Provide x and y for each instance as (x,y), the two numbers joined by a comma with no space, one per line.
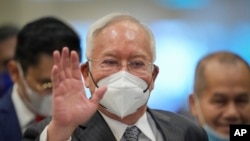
(71,107)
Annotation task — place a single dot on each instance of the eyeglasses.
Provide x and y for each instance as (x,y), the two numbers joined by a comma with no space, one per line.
(41,88)
(44,87)
(136,67)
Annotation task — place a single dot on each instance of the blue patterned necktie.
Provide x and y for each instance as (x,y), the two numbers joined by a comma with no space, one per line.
(132,133)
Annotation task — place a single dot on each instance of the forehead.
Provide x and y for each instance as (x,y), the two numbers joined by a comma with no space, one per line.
(229,79)
(42,69)
(122,38)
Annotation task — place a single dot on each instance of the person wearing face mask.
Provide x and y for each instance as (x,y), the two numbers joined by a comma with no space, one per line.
(221,94)
(8,41)
(30,98)
(120,74)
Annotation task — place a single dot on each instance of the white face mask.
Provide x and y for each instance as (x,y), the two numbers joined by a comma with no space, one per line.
(125,93)
(213,135)
(40,104)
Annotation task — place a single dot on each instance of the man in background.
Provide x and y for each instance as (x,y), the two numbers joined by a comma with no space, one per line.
(8,35)
(30,98)
(221,94)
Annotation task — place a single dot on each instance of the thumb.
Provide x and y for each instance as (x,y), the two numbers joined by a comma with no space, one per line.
(98,94)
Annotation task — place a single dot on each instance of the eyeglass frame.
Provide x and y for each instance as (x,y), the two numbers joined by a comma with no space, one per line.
(44,86)
(151,68)
(41,88)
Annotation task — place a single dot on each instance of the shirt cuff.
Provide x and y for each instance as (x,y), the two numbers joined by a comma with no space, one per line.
(43,136)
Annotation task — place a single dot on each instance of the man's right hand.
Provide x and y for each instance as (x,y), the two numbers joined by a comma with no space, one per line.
(71,106)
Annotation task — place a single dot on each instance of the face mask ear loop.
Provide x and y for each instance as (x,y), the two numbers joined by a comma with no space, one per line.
(197,107)
(19,67)
(148,86)
(20,70)
(91,76)
(150,81)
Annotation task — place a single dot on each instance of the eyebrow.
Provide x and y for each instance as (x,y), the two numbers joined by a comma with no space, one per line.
(110,53)
(243,95)
(219,95)
(132,56)
(223,95)
(139,56)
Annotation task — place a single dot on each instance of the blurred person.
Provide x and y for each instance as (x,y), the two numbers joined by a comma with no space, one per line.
(30,98)
(8,34)
(120,75)
(221,94)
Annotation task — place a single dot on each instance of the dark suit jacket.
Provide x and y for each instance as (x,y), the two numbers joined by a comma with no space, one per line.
(173,127)
(9,125)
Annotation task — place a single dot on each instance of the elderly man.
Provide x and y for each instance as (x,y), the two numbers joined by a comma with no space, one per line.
(120,75)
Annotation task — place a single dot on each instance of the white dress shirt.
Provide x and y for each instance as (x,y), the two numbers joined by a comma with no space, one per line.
(119,128)
(25,116)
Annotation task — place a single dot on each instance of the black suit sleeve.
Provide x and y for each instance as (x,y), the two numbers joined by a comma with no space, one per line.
(33,132)
(195,133)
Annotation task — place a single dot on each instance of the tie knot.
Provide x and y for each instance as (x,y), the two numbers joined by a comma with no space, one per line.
(38,118)
(132,133)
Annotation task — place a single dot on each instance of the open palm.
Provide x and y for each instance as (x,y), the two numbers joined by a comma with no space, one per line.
(71,107)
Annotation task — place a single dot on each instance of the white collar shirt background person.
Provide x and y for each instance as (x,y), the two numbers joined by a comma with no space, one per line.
(24,115)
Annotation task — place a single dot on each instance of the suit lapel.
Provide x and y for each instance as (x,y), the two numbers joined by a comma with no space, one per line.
(169,132)
(8,120)
(95,130)
(98,130)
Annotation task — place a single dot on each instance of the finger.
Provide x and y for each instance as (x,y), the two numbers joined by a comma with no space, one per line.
(58,63)
(66,62)
(75,65)
(57,60)
(60,67)
(98,94)
(54,77)
(56,57)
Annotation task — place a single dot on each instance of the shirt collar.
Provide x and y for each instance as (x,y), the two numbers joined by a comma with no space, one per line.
(145,127)
(118,128)
(24,115)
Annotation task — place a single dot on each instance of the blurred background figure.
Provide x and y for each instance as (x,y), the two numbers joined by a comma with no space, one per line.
(221,94)
(8,34)
(30,98)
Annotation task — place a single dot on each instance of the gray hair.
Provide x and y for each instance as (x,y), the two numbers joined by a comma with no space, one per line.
(107,20)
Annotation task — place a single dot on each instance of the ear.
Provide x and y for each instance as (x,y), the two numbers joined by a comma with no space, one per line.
(155,72)
(85,73)
(154,75)
(13,70)
(192,105)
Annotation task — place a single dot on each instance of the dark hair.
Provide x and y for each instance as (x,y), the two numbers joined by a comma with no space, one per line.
(44,36)
(7,31)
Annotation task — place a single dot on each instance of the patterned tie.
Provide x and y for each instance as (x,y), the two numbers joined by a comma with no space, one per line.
(132,133)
